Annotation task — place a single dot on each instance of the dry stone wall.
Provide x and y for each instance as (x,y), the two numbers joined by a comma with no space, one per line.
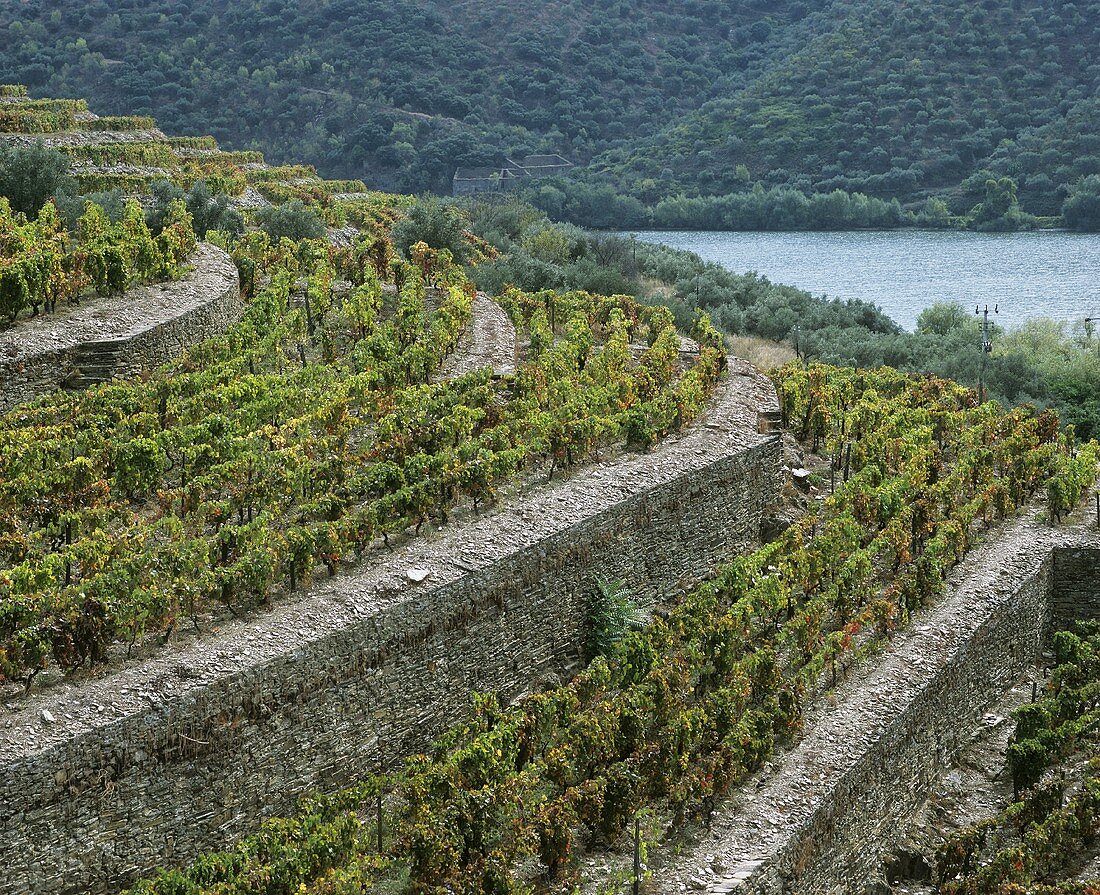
(1076,584)
(189,750)
(122,335)
(817,822)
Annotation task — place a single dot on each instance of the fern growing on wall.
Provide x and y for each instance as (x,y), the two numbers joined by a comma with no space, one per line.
(612,614)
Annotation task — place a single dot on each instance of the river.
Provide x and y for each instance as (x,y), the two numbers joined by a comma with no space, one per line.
(1039,274)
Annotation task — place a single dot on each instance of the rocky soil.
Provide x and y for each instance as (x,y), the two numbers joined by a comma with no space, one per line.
(489,341)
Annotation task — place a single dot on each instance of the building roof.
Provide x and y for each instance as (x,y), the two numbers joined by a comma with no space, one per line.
(546,161)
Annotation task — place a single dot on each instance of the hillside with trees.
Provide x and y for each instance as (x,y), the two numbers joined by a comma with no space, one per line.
(926,102)
(400,91)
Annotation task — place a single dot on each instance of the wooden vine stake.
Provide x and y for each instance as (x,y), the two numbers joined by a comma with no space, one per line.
(637,854)
(378,818)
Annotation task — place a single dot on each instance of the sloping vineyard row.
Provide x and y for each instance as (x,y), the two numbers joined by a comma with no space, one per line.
(41,264)
(510,800)
(1037,843)
(298,440)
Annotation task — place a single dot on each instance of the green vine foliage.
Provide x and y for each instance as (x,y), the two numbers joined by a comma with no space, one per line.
(41,264)
(691,704)
(308,435)
(1034,844)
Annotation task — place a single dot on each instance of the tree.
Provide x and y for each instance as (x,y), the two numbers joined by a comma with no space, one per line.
(943,319)
(292,219)
(438,224)
(31,175)
(1000,209)
(1081,210)
(71,205)
(162,194)
(212,211)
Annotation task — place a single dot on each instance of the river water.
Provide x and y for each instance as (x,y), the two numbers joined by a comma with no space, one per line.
(1040,274)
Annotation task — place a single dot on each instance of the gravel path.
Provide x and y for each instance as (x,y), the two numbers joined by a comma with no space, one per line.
(489,341)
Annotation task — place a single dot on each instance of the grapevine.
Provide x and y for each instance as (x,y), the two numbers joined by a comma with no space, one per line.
(691,705)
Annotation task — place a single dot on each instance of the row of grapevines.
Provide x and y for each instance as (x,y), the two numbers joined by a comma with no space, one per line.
(136,152)
(119,123)
(294,442)
(692,704)
(282,172)
(205,142)
(40,116)
(1065,488)
(41,264)
(1042,836)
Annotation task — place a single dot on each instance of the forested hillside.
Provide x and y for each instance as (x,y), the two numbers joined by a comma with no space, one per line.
(399,90)
(902,100)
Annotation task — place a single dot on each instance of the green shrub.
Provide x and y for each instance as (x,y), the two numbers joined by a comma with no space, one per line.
(292,219)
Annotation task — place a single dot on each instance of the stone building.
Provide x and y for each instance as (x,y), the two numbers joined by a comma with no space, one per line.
(468,181)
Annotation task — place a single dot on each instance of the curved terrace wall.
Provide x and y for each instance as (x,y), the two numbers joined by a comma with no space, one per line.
(122,335)
(185,752)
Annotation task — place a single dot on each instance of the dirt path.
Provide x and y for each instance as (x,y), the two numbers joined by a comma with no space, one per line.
(489,341)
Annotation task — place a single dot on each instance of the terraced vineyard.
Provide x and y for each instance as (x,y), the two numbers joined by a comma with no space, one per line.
(1045,839)
(311,432)
(334,418)
(686,708)
(307,435)
(130,153)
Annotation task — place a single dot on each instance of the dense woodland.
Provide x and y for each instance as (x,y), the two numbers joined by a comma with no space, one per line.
(908,101)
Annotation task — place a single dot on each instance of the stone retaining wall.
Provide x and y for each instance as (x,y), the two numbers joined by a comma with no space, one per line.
(141,329)
(1076,584)
(189,750)
(838,849)
(818,823)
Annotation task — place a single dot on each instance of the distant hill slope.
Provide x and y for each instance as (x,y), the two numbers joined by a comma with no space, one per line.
(892,98)
(903,99)
(400,90)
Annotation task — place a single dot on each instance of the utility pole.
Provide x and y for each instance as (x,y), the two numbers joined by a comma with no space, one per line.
(986,348)
(1089,321)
